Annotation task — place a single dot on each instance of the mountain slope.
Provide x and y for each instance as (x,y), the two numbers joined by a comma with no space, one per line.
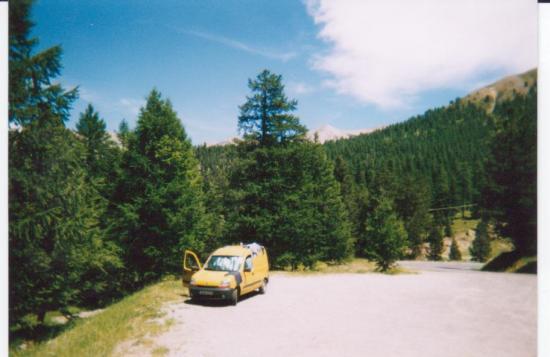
(489,96)
(445,147)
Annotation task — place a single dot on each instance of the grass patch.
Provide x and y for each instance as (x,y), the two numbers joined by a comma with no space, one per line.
(354,266)
(160,351)
(499,246)
(132,318)
(464,225)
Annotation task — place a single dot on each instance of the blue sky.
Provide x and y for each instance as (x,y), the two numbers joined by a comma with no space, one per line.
(349,64)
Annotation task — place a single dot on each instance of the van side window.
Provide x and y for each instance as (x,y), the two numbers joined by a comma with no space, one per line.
(248,263)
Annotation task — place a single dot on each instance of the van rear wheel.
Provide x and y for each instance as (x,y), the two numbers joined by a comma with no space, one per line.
(263,287)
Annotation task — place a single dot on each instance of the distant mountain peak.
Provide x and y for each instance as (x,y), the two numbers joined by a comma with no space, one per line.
(327,132)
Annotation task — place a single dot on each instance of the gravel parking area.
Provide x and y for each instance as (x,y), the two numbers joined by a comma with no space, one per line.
(443,310)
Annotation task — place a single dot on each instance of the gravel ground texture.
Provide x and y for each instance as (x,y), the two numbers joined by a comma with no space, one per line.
(444,309)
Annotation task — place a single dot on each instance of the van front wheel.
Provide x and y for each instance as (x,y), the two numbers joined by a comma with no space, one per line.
(234,297)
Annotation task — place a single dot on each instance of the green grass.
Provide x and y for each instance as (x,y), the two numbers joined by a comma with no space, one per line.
(464,233)
(133,318)
(354,266)
(463,225)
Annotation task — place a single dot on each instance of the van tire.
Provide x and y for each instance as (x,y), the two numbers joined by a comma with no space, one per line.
(234,297)
(263,288)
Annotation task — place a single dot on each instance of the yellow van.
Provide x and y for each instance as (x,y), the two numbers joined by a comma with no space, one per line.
(228,273)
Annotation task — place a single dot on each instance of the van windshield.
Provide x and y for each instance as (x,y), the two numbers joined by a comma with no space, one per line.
(224,263)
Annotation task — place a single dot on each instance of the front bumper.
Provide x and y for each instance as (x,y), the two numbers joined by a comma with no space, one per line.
(210,293)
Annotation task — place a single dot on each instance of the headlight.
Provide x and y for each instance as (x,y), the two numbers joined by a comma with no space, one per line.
(225,283)
(193,281)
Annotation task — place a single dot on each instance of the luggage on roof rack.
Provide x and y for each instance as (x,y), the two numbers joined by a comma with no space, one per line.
(255,248)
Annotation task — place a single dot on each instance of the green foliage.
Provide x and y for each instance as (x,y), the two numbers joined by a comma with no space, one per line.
(455,254)
(412,202)
(510,197)
(481,246)
(124,133)
(435,239)
(216,165)
(443,149)
(55,235)
(385,234)
(283,193)
(160,202)
(102,155)
(286,198)
(351,195)
(266,115)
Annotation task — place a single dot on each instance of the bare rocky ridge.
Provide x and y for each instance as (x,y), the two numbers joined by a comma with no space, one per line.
(328,133)
(504,89)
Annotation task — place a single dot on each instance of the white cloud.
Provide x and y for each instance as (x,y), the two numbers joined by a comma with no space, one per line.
(282,56)
(388,52)
(131,105)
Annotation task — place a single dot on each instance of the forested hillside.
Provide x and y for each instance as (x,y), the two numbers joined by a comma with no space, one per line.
(422,166)
(444,147)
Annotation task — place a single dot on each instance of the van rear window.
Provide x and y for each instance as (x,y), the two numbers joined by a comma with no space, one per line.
(224,263)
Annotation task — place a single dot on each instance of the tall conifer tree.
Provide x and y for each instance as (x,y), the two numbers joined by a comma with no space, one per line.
(160,197)
(510,196)
(54,232)
(284,194)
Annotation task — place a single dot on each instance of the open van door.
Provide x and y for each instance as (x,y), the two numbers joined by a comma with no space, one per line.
(191,264)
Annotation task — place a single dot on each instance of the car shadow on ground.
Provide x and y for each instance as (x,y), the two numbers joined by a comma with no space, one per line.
(218,303)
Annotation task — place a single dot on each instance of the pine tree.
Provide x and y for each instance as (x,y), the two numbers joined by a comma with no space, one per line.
(283,193)
(161,208)
(481,246)
(363,205)
(266,115)
(124,133)
(348,192)
(455,254)
(436,243)
(102,155)
(448,226)
(287,199)
(386,235)
(510,197)
(55,237)
(32,96)
(412,203)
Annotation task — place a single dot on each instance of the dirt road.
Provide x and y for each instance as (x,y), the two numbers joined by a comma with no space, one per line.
(445,310)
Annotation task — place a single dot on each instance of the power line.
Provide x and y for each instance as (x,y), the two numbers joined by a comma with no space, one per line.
(445,208)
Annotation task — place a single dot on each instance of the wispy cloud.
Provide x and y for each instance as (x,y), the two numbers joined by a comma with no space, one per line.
(229,42)
(388,53)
